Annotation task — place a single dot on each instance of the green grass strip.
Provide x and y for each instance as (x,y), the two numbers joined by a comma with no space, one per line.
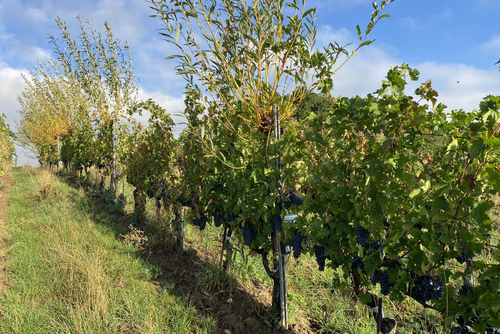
(69,271)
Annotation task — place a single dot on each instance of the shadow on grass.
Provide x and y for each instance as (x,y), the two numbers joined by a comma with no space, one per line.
(212,291)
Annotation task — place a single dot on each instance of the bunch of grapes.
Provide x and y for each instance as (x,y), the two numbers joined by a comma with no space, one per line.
(320,257)
(295,199)
(462,259)
(276,224)
(249,234)
(381,277)
(464,289)
(297,245)
(231,217)
(492,330)
(217,219)
(200,222)
(426,288)
(460,330)
(377,244)
(357,262)
(362,235)
(150,193)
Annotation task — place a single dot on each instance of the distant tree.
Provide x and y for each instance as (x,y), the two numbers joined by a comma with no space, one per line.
(51,105)
(103,67)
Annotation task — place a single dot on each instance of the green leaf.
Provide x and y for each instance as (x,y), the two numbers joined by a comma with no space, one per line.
(358,30)
(366,43)
(476,148)
(365,297)
(453,145)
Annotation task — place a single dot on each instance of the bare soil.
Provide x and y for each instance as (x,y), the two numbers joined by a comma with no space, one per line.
(6,183)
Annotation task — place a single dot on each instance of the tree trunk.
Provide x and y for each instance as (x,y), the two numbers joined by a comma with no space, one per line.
(140,205)
(113,183)
(178,228)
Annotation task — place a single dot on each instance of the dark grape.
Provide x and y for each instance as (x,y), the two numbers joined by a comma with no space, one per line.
(377,244)
(426,288)
(462,259)
(492,330)
(460,330)
(150,194)
(231,217)
(380,276)
(217,219)
(297,245)
(200,222)
(357,262)
(464,289)
(320,257)
(295,199)
(362,235)
(287,204)
(276,224)
(249,234)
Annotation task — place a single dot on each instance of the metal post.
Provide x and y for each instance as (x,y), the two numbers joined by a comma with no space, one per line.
(281,259)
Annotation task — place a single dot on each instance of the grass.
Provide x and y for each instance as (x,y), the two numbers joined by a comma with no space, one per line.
(70,273)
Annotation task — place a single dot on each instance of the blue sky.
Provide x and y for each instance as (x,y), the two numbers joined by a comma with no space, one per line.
(453,43)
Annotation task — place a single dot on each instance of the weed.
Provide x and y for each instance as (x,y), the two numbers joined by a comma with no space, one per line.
(136,238)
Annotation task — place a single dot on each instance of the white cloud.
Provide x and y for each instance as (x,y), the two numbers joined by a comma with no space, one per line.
(459,86)
(33,53)
(11,85)
(445,14)
(493,44)
(173,105)
(37,15)
(410,23)
(327,34)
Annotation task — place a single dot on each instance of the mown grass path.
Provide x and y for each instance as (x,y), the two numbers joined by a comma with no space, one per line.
(70,273)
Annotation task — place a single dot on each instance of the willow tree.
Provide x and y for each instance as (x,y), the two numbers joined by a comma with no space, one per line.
(51,106)
(103,67)
(261,54)
(257,61)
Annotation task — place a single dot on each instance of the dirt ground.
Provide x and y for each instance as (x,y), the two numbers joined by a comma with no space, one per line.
(6,183)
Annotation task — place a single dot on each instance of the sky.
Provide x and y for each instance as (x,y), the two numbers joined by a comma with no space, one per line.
(454,43)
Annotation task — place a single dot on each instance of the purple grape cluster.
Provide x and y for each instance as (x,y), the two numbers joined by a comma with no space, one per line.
(462,259)
(150,193)
(381,277)
(295,199)
(357,262)
(320,257)
(362,235)
(200,222)
(377,244)
(217,219)
(465,288)
(427,287)
(491,330)
(231,217)
(297,245)
(460,330)
(249,234)
(276,224)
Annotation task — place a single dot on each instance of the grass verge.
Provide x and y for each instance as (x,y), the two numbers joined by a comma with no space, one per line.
(69,273)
